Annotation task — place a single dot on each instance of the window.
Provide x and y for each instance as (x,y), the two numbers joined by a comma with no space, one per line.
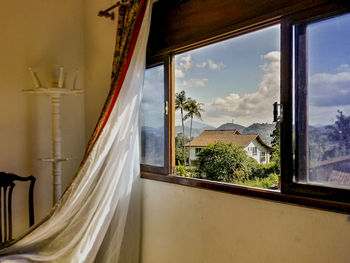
(321,118)
(254,151)
(152,118)
(262,157)
(312,120)
(198,150)
(224,96)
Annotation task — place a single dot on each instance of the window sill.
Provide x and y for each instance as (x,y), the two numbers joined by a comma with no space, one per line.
(266,194)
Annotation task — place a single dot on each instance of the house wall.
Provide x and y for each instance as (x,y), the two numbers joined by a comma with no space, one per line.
(38,34)
(185,224)
(260,149)
(193,153)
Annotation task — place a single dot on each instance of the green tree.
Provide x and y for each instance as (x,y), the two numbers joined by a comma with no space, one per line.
(276,147)
(340,133)
(180,104)
(193,109)
(224,162)
(179,153)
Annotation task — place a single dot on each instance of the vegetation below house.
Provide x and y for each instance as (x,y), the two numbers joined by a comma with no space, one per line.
(224,162)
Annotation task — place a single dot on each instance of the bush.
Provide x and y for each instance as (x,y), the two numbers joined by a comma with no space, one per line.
(224,162)
(266,182)
(264,170)
(186,171)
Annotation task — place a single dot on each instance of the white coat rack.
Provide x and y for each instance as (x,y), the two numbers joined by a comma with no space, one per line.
(55,93)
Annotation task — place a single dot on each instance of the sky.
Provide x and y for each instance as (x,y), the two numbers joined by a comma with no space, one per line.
(239,79)
(329,69)
(236,80)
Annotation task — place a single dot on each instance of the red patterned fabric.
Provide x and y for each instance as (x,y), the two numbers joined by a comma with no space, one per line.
(129,23)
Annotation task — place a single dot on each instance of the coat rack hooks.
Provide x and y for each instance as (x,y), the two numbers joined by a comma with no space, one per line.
(111,15)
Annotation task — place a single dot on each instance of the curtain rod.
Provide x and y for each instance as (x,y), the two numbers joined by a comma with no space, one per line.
(106,12)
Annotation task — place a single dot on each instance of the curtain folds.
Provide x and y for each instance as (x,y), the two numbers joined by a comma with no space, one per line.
(89,221)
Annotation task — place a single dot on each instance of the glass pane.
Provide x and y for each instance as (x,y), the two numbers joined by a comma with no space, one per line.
(224,110)
(152,117)
(328,101)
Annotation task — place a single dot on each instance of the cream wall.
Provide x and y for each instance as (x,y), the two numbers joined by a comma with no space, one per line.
(41,34)
(189,225)
(183,224)
(99,48)
(180,224)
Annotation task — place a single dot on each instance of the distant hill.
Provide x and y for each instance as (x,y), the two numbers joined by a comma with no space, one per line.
(199,125)
(231,126)
(263,129)
(197,128)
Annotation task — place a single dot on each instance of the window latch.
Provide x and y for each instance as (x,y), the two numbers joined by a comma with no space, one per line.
(277,115)
(166,107)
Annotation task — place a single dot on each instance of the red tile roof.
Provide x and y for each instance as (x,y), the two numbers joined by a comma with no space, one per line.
(227,136)
(339,177)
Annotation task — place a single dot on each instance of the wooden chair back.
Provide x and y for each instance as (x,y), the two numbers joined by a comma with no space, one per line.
(6,188)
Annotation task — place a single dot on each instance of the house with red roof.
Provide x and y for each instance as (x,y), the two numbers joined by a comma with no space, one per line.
(251,143)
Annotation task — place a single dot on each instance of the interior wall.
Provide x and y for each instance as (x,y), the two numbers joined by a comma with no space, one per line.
(100,35)
(42,34)
(185,224)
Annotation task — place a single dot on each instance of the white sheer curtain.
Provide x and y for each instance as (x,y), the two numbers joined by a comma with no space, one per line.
(90,220)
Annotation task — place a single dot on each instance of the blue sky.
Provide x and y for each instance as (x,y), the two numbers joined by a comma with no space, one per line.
(238,79)
(329,69)
(233,73)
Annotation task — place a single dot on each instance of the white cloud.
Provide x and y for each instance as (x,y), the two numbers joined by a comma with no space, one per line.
(328,90)
(192,83)
(344,67)
(183,66)
(215,66)
(186,63)
(179,74)
(201,65)
(251,107)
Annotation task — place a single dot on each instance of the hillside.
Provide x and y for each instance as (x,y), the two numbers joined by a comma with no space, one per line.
(231,126)
(263,129)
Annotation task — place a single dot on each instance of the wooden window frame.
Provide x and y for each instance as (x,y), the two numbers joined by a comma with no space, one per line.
(298,167)
(169,141)
(306,195)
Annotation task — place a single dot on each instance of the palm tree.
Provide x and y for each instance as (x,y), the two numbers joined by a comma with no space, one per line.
(193,109)
(180,103)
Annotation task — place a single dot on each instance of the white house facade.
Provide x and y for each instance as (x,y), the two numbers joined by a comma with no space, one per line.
(251,143)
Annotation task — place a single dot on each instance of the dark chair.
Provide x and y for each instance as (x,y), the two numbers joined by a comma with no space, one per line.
(6,187)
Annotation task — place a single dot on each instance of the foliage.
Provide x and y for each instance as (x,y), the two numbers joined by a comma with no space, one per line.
(276,146)
(340,133)
(266,182)
(193,110)
(186,171)
(264,170)
(179,153)
(224,162)
(180,104)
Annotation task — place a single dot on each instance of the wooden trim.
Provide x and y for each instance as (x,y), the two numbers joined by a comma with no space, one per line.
(186,23)
(258,193)
(327,198)
(171,74)
(167,117)
(301,186)
(165,168)
(287,164)
(301,103)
